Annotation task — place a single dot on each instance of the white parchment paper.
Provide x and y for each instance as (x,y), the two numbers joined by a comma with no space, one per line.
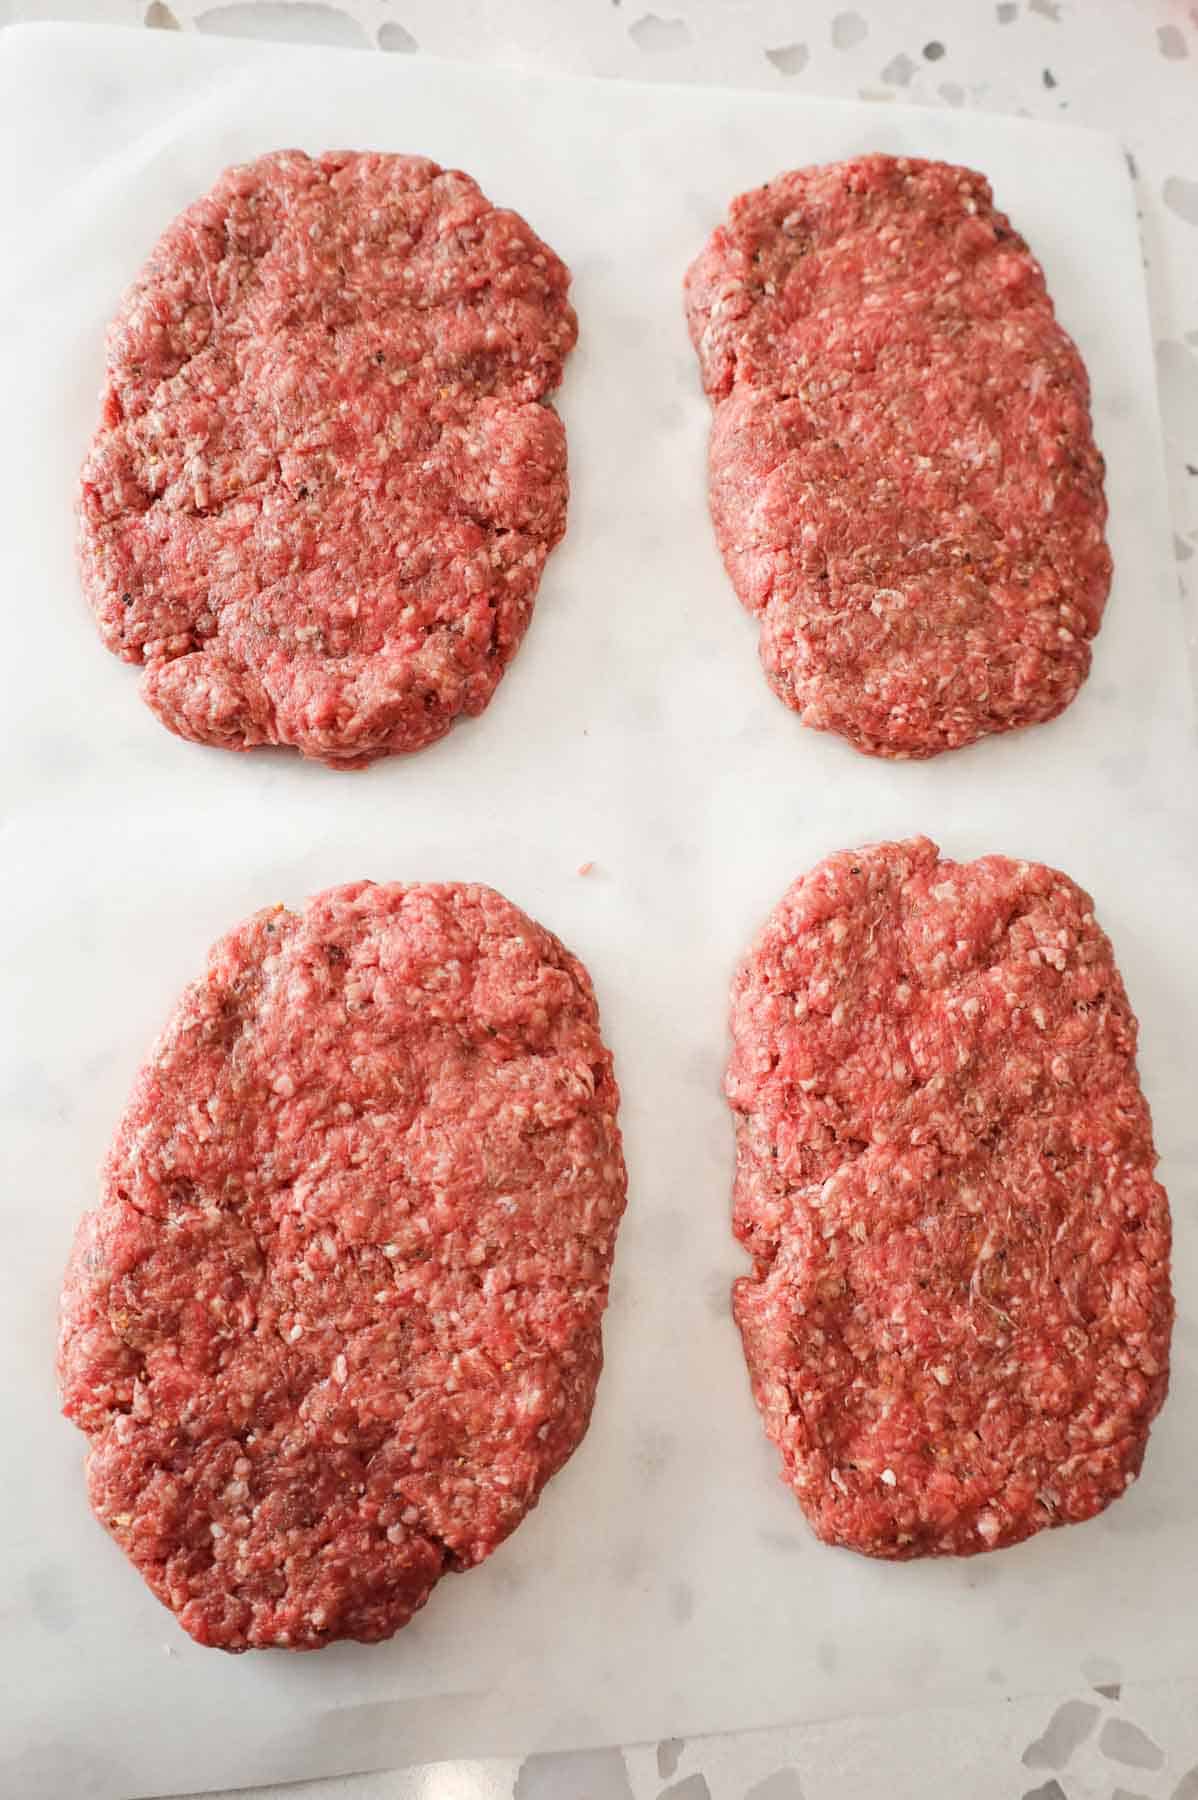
(667,1584)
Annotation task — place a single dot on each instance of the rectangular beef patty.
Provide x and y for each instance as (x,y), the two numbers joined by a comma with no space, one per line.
(336,1319)
(903,478)
(957,1325)
(326,476)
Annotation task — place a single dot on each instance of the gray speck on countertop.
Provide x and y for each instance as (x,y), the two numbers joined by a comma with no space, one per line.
(848,30)
(1125,1743)
(1181,197)
(783,1784)
(392,36)
(654,34)
(668,1752)
(589,1772)
(788,59)
(694,1787)
(1069,1727)
(898,70)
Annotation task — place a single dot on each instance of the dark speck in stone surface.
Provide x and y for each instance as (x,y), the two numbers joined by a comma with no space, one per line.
(848,30)
(392,36)
(582,1772)
(655,35)
(1181,197)
(933,51)
(1125,1743)
(783,1784)
(670,1749)
(693,1788)
(788,59)
(1069,1727)
(898,70)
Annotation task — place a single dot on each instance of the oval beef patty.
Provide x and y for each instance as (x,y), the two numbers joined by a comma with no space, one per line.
(958,1321)
(325,481)
(903,479)
(336,1319)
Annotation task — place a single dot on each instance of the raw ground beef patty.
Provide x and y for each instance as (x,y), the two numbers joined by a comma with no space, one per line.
(325,480)
(957,1325)
(336,1319)
(903,480)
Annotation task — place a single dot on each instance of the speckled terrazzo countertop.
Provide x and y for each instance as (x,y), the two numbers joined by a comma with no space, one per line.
(1128,66)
